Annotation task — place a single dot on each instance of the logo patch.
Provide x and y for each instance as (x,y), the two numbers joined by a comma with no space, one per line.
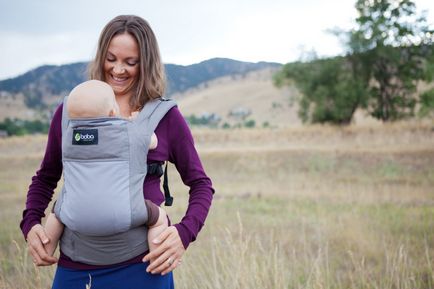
(85,137)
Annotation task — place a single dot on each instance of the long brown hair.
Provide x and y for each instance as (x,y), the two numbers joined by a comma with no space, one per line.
(152,81)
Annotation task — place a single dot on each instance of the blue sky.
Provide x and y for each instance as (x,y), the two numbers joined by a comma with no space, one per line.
(37,32)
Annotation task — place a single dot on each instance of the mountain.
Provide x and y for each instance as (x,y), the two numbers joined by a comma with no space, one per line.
(44,86)
(40,85)
(181,78)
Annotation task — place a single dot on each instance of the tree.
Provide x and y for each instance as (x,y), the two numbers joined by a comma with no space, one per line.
(331,89)
(390,46)
(427,104)
(389,51)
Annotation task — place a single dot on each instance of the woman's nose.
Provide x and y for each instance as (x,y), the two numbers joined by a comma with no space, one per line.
(118,68)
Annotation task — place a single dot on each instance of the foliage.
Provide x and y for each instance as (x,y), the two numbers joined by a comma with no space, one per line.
(331,91)
(427,104)
(391,44)
(250,123)
(22,127)
(210,120)
(389,51)
(226,126)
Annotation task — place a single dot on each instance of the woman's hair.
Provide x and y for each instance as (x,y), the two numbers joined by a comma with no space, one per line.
(151,82)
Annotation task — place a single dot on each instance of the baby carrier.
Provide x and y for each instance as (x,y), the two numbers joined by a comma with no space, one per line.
(101,203)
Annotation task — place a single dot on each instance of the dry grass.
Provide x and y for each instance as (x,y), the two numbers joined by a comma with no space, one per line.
(312,207)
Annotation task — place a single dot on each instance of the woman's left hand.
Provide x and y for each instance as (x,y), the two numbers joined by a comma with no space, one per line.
(167,256)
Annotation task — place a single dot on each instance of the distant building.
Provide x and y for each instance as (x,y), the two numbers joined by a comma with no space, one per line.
(240,113)
(3,134)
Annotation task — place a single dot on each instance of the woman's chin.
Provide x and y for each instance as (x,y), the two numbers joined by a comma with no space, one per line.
(121,91)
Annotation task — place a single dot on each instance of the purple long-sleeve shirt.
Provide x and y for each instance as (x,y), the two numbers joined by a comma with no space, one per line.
(175,143)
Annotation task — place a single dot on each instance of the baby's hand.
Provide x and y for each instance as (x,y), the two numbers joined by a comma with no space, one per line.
(155,230)
(54,229)
(50,247)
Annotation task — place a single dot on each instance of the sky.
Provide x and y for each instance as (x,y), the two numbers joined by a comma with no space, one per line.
(38,32)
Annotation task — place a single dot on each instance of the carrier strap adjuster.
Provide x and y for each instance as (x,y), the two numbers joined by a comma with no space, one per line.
(157,169)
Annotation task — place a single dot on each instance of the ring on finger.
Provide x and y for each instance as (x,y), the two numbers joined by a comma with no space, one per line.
(170,261)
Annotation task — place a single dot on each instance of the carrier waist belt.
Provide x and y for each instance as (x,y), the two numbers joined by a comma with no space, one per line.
(106,250)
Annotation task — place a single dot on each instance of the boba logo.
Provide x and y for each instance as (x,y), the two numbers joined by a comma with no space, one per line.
(85,137)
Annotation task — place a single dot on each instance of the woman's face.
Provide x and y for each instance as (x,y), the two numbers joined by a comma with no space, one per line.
(121,66)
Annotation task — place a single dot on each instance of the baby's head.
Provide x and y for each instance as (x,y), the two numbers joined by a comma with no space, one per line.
(92,98)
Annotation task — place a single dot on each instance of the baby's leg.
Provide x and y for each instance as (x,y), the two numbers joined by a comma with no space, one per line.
(53,229)
(155,230)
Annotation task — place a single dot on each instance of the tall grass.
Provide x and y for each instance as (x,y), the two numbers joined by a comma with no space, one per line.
(317,207)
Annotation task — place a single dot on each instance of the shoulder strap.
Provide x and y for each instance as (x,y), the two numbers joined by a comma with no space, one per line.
(151,116)
(164,107)
(153,111)
(65,118)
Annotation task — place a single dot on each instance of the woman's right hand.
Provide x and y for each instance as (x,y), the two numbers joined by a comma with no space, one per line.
(36,239)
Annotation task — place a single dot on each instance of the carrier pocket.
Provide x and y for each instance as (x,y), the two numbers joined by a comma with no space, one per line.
(96,141)
(96,200)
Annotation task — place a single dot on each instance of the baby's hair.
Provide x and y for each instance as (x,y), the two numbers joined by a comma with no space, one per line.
(92,98)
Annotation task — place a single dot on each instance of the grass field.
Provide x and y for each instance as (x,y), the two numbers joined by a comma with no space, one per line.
(308,207)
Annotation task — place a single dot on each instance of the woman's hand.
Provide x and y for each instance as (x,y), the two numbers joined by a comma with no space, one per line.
(36,239)
(167,256)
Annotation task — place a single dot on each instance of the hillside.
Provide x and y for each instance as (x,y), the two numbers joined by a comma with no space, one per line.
(239,98)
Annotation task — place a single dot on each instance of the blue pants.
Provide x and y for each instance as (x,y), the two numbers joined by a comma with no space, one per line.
(123,277)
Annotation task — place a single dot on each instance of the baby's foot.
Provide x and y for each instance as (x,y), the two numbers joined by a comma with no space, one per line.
(154,142)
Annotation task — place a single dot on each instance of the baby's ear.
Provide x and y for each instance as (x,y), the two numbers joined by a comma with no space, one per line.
(112,112)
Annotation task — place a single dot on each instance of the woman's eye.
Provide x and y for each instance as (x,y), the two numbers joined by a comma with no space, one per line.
(132,63)
(110,59)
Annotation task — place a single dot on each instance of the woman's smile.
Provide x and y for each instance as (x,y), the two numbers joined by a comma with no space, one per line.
(121,66)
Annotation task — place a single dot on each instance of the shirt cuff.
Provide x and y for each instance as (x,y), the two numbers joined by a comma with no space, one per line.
(28,226)
(184,234)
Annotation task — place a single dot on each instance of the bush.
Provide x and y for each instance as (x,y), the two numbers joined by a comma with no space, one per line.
(250,123)
(226,126)
(22,127)
(210,120)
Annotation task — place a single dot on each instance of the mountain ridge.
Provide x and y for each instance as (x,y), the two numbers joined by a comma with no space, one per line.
(44,85)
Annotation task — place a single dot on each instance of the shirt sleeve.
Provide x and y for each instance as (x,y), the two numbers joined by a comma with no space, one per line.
(45,180)
(183,154)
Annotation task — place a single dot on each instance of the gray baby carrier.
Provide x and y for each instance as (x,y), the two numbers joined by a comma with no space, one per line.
(101,203)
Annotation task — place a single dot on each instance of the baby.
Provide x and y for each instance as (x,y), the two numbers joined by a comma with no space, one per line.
(91,99)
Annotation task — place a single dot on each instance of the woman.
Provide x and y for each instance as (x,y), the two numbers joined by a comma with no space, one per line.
(128,59)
